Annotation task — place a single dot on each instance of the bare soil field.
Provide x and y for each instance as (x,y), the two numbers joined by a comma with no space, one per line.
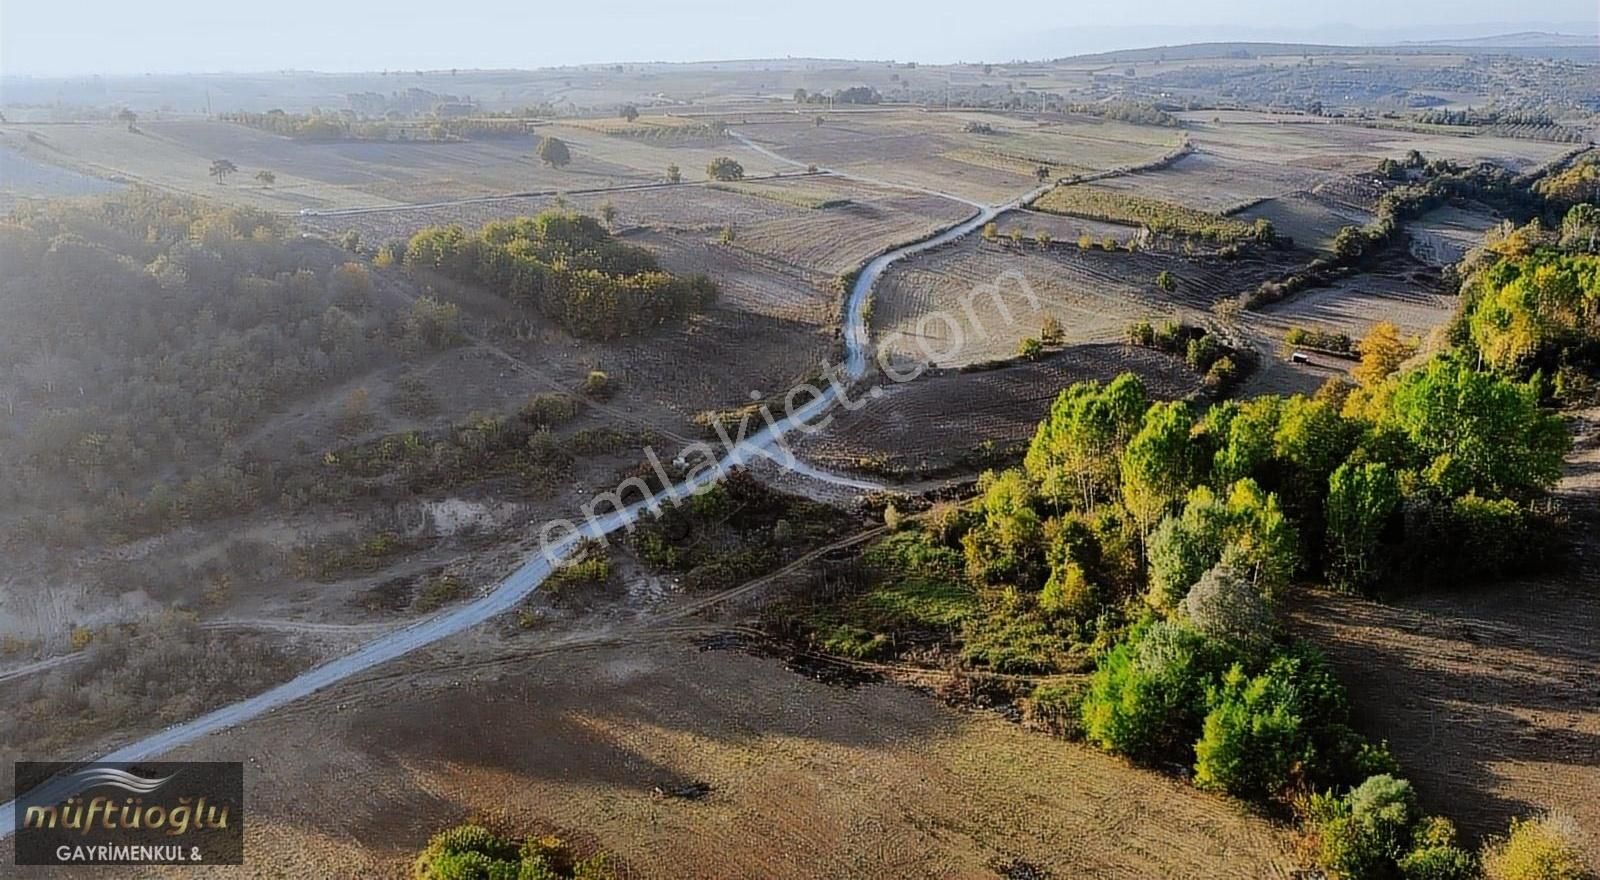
(936,302)
(1489,696)
(1219,184)
(1349,148)
(931,150)
(177,155)
(1444,235)
(1310,219)
(805,779)
(1406,293)
(944,420)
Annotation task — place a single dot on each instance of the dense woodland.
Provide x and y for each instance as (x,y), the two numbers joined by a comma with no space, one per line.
(569,268)
(142,336)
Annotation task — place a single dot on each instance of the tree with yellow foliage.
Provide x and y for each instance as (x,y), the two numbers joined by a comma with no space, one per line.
(1382,353)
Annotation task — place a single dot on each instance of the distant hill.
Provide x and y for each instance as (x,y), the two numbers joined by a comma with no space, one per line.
(1523,40)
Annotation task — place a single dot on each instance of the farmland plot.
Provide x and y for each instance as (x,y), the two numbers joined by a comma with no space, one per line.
(947,419)
(940,301)
(805,780)
(1217,184)
(1443,236)
(1311,220)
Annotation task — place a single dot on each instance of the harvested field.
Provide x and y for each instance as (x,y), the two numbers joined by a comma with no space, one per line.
(1444,235)
(819,225)
(1095,294)
(1350,148)
(946,419)
(1488,697)
(1217,184)
(1311,220)
(1406,293)
(805,780)
(932,150)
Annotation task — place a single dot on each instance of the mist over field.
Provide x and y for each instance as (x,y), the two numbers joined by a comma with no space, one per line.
(1157,440)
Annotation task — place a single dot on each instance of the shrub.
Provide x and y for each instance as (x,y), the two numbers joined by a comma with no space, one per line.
(724,168)
(1252,737)
(1146,698)
(1056,707)
(1030,349)
(1434,854)
(1223,605)
(1545,848)
(1363,834)
(597,385)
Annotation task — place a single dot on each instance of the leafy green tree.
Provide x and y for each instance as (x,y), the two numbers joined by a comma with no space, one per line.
(1007,547)
(266,178)
(724,168)
(1247,530)
(1253,737)
(1167,281)
(1382,352)
(674,174)
(1361,501)
(553,151)
(221,168)
(1074,454)
(1158,465)
(1476,432)
(628,112)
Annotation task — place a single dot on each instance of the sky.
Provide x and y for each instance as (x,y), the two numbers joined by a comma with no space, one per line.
(76,37)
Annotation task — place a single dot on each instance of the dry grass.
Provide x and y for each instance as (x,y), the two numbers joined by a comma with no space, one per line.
(806,780)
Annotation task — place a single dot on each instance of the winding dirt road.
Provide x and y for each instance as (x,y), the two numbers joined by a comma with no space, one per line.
(525,580)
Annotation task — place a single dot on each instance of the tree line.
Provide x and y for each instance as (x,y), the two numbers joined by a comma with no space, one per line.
(569,268)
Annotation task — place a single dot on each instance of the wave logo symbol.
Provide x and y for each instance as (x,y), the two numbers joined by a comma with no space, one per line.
(96,776)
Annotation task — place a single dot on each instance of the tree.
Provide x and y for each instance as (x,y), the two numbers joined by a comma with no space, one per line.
(724,168)
(1042,238)
(1042,172)
(1158,466)
(990,231)
(820,119)
(1074,454)
(1147,696)
(608,214)
(674,174)
(628,112)
(1361,501)
(1382,353)
(1225,606)
(1543,848)
(1051,332)
(1030,349)
(1166,281)
(800,96)
(267,178)
(554,152)
(128,117)
(221,168)
(1475,432)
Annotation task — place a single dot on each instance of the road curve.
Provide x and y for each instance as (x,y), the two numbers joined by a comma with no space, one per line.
(526,579)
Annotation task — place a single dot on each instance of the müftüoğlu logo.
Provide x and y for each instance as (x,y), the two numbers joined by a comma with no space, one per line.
(157,813)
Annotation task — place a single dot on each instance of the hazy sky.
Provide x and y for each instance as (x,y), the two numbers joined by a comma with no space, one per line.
(66,37)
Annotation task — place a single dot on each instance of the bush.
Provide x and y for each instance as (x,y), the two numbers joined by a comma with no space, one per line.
(1056,707)
(597,385)
(1223,605)
(724,168)
(1146,698)
(1545,848)
(1434,854)
(1363,834)
(1252,738)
